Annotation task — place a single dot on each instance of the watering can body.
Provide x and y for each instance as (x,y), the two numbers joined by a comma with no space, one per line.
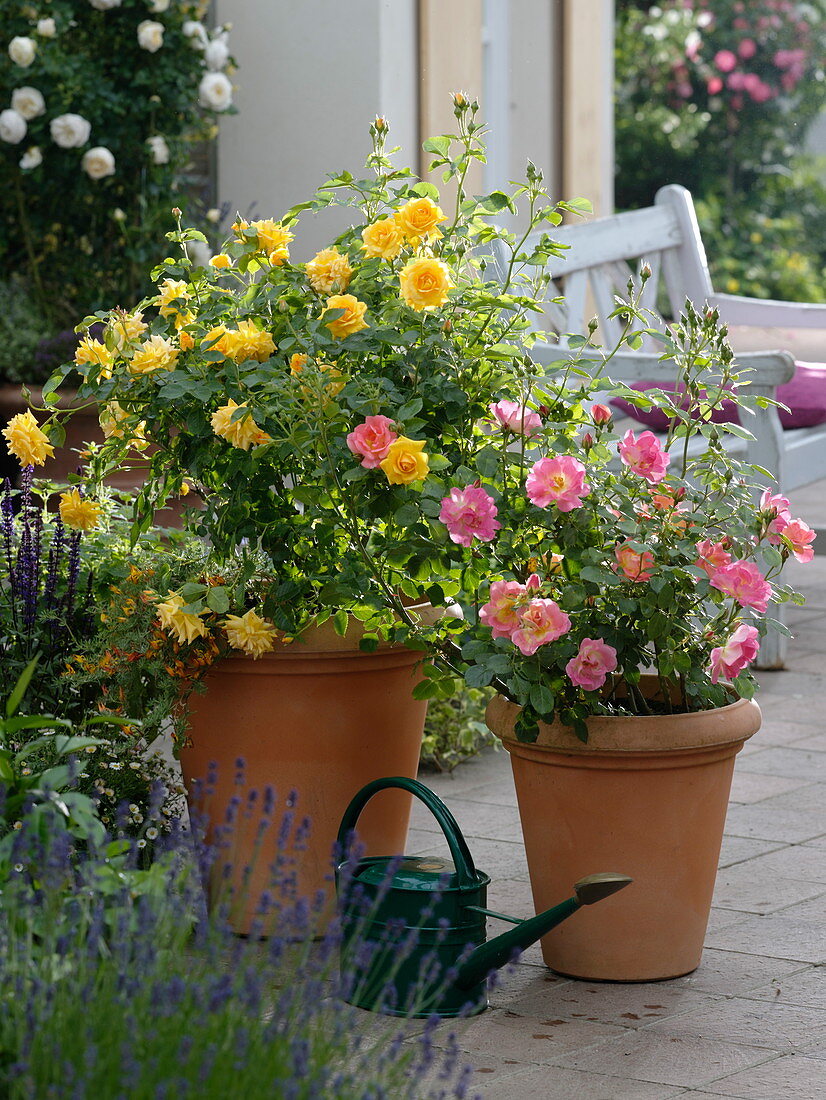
(414,928)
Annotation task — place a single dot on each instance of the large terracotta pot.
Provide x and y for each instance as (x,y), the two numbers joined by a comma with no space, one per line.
(646,797)
(321,718)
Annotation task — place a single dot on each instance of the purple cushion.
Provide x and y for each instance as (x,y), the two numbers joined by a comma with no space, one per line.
(805,394)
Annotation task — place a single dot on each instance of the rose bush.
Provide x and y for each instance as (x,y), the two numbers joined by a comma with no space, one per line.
(102,106)
(367,430)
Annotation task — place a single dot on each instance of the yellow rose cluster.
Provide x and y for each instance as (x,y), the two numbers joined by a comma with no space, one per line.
(249,633)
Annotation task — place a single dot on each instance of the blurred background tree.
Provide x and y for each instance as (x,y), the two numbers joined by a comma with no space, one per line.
(719,95)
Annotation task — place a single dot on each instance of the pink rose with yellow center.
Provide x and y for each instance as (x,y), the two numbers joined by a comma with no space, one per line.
(644,455)
(501,613)
(634,564)
(541,622)
(559,480)
(744,582)
(729,660)
(469,514)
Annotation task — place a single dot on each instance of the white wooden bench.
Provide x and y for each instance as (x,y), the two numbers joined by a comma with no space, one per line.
(601,256)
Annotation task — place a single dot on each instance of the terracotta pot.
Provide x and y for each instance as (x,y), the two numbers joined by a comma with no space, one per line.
(646,797)
(321,718)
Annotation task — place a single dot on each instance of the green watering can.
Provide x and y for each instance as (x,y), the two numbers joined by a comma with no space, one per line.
(408,923)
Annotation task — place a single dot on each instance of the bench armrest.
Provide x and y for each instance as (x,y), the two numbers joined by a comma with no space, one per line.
(766,312)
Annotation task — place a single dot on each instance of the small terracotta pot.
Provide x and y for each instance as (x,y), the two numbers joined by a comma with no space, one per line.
(646,797)
(321,718)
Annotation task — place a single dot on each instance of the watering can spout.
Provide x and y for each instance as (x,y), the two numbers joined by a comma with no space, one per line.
(496,952)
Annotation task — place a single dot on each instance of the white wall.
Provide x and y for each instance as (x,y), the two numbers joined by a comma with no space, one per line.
(312,75)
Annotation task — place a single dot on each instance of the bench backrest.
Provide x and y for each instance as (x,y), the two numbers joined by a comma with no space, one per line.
(603,254)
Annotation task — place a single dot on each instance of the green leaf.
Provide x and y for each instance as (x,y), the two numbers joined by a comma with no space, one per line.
(439,145)
(19,689)
(218,599)
(340,621)
(542,700)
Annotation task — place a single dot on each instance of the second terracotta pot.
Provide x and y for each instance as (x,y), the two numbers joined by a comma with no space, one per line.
(646,797)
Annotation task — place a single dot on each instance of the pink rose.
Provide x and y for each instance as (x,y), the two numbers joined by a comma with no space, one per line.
(714,85)
(372,440)
(776,509)
(747,49)
(712,556)
(634,564)
(501,612)
(601,414)
(469,514)
(542,621)
(590,668)
(730,659)
(644,455)
(744,582)
(801,537)
(516,418)
(725,60)
(559,480)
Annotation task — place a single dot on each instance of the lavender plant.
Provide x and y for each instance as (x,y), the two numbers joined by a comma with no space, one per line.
(168,1012)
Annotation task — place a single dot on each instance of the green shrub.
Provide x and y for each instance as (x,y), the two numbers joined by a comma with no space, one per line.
(455,729)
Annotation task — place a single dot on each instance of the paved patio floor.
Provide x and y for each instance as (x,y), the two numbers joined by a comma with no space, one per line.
(751,1021)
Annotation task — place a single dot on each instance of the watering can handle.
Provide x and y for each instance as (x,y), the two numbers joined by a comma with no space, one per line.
(462,859)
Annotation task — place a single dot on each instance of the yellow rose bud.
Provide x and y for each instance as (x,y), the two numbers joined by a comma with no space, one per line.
(329,271)
(351,320)
(419,218)
(425,283)
(29,445)
(406,461)
(78,512)
(383,238)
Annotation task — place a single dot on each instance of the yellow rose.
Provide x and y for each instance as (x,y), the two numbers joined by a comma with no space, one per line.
(29,445)
(220,261)
(95,354)
(418,219)
(298,361)
(351,320)
(126,327)
(78,512)
(425,283)
(250,633)
(216,340)
(273,239)
(186,340)
(329,271)
(171,290)
(156,353)
(248,342)
(241,432)
(111,419)
(383,238)
(405,461)
(185,625)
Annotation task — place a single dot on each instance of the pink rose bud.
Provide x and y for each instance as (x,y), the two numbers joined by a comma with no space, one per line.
(588,441)
(516,418)
(601,414)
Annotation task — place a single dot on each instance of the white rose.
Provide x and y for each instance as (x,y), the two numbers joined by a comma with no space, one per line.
(28,102)
(213,215)
(46,28)
(198,252)
(70,131)
(98,162)
(12,127)
(158,148)
(150,35)
(105,5)
(32,158)
(216,53)
(158,7)
(193,29)
(22,51)
(215,92)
